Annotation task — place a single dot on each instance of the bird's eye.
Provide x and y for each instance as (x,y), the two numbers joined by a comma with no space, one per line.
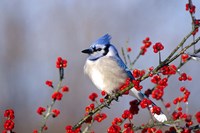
(99,49)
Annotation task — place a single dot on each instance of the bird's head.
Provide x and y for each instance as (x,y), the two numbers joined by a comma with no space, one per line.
(100,48)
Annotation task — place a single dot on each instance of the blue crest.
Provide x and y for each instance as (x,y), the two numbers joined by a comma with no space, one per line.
(104,39)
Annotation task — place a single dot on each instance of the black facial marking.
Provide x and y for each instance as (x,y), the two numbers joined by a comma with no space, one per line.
(106,49)
(99,49)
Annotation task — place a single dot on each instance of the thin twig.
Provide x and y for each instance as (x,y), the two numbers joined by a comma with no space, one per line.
(49,107)
(123,54)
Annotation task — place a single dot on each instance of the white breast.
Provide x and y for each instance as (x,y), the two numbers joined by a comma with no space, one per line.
(105,74)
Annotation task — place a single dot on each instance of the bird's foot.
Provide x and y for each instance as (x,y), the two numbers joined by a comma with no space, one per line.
(112,96)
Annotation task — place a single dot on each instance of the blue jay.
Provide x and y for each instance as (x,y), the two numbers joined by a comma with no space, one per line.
(107,70)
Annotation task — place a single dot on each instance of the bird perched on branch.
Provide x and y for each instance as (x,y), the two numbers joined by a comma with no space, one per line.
(108,72)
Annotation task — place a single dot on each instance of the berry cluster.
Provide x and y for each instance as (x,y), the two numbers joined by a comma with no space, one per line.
(190,7)
(161,84)
(145,103)
(196,25)
(128,128)
(117,121)
(61,63)
(40,110)
(69,129)
(155,79)
(57,95)
(138,73)
(93,96)
(100,117)
(197,115)
(197,22)
(195,31)
(185,96)
(157,47)
(168,70)
(146,44)
(125,85)
(9,123)
(184,57)
(180,115)
(115,127)
(184,77)
(137,85)
(156,110)
(157,93)
(134,109)
(89,108)
(55,112)
(151,130)
(127,115)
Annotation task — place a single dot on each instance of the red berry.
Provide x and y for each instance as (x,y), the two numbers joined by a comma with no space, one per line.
(45,127)
(158,47)
(197,115)
(157,94)
(129,49)
(49,83)
(187,7)
(156,110)
(35,131)
(182,89)
(40,110)
(184,57)
(100,117)
(189,78)
(151,68)
(179,109)
(93,96)
(101,100)
(136,73)
(9,113)
(87,109)
(167,105)
(114,129)
(65,89)
(92,106)
(155,79)
(9,125)
(57,95)
(103,93)
(55,112)
(145,103)
(147,39)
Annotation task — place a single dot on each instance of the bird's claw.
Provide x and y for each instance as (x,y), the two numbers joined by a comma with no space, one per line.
(112,96)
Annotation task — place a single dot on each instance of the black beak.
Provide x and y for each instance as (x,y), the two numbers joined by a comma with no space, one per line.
(87,51)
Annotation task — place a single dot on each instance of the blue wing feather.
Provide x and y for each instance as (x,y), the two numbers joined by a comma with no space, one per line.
(123,66)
